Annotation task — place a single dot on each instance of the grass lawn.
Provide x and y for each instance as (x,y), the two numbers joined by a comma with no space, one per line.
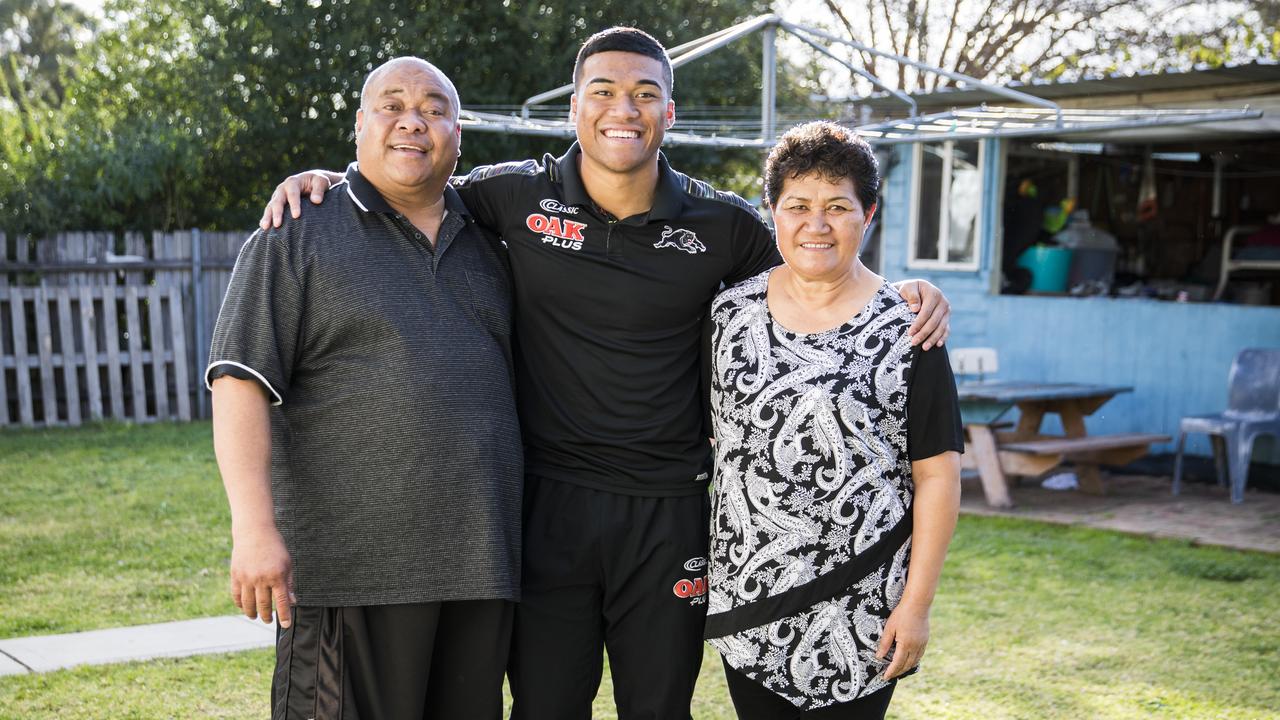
(120,525)
(110,525)
(223,686)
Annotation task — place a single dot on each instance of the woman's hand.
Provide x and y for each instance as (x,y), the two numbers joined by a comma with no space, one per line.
(289,192)
(907,632)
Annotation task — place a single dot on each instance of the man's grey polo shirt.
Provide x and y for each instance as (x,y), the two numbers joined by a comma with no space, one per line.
(396,459)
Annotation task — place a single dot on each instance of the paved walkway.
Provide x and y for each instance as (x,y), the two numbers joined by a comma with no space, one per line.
(1133,504)
(142,642)
(1143,505)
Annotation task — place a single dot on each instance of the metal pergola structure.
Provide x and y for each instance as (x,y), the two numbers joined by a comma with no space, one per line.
(1042,117)
(1015,122)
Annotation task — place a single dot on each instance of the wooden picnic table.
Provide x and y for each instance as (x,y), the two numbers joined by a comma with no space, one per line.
(1025,450)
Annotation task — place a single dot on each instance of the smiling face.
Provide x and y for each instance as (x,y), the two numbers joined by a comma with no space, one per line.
(621,111)
(407,132)
(819,225)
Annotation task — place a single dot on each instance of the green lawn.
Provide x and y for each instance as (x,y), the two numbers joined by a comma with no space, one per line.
(222,686)
(110,525)
(125,525)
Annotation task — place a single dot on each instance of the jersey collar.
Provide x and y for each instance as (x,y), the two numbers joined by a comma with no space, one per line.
(668,199)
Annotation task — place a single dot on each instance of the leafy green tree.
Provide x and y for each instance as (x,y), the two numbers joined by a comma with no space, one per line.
(187,112)
(24,143)
(37,38)
(39,43)
(1233,32)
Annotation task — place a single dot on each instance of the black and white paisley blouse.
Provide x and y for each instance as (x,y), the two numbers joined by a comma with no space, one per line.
(811,527)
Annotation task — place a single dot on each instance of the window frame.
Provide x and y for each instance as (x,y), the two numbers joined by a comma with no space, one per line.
(917,177)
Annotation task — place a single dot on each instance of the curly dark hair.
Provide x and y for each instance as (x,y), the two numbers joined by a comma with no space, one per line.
(625,39)
(826,149)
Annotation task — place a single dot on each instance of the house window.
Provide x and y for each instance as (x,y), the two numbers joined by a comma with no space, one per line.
(947,202)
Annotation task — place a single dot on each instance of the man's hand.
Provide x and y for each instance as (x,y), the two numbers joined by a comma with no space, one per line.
(289,192)
(933,320)
(907,632)
(262,574)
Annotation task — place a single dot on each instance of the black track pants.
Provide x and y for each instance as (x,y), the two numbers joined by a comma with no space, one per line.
(393,662)
(616,572)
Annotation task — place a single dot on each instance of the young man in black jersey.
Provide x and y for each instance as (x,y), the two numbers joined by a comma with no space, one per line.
(615,258)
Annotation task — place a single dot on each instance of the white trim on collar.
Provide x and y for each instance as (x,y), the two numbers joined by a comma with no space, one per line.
(355,199)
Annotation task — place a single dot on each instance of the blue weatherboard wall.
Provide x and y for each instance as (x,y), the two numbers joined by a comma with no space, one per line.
(1175,355)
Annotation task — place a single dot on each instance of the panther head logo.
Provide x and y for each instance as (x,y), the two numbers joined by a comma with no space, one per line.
(680,239)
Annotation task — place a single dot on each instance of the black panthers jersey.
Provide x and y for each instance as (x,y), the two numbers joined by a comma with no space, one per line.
(609,315)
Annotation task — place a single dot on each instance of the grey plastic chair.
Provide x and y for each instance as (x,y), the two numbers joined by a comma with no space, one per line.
(1253,409)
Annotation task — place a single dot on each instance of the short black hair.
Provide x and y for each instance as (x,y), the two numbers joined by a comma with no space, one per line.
(624,39)
(828,150)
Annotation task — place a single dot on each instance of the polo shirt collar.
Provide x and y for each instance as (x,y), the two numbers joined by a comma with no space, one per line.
(453,204)
(364,193)
(668,198)
(368,198)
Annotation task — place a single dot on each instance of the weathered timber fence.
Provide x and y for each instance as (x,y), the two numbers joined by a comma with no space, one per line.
(109,325)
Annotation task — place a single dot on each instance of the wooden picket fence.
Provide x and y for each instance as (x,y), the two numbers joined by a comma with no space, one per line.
(79,364)
(109,326)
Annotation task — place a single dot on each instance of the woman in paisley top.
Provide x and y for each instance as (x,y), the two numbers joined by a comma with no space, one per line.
(837,477)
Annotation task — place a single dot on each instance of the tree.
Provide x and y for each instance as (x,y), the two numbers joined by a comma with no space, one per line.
(188,112)
(1233,32)
(37,38)
(40,41)
(1026,40)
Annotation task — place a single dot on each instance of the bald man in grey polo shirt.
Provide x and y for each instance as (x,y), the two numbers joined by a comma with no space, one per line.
(365,427)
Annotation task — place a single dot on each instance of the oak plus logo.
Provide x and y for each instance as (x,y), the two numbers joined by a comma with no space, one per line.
(557,231)
(680,239)
(693,589)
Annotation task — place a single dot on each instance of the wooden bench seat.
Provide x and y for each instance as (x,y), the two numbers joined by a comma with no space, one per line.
(1040,455)
(1088,444)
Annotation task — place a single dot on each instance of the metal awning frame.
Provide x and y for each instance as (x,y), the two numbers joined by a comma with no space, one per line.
(984,122)
(1042,118)
(478,121)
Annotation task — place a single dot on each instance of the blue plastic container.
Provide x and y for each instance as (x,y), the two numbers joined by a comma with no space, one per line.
(1049,267)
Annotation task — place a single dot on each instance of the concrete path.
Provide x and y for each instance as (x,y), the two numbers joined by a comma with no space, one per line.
(1143,505)
(141,642)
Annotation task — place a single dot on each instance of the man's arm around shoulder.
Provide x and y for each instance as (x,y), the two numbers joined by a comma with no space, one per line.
(261,569)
